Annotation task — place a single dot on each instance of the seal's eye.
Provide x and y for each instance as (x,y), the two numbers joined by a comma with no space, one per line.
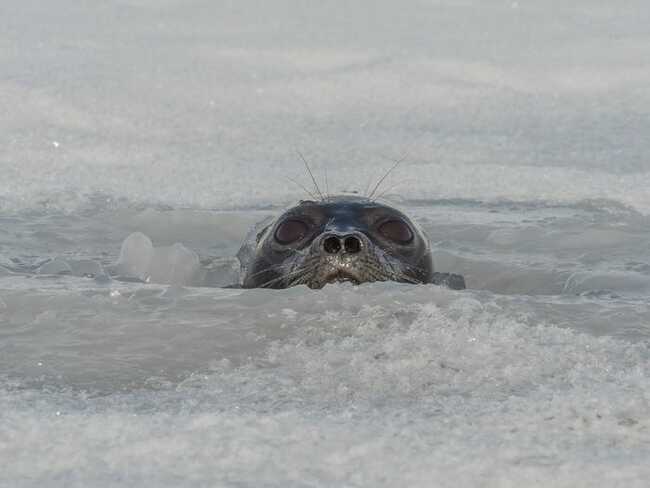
(397,231)
(291,231)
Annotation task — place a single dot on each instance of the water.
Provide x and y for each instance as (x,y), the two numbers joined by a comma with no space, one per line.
(175,123)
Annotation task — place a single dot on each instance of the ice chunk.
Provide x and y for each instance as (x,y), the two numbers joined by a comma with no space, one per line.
(175,264)
(55,266)
(135,256)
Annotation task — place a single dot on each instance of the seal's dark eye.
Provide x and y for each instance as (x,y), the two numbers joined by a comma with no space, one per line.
(291,231)
(397,231)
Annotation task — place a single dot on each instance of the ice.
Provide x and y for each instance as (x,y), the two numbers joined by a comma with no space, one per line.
(531,104)
(219,272)
(87,268)
(135,256)
(4,271)
(175,264)
(55,266)
(373,386)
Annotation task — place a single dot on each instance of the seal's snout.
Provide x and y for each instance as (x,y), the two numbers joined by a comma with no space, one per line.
(341,244)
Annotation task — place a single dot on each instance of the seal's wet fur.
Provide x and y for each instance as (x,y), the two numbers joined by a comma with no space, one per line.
(342,238)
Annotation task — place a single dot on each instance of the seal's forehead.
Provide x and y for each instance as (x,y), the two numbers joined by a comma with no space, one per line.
(343,205)
(340,199)
(338,203)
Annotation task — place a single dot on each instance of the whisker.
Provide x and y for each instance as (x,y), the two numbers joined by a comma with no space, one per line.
(383,193)
(367,190)
(311,174)
(301,186)
(395,275)
(270,268)
(327,186)
(407,279)
(304,272)
(272,281)
(381,180)
(398,273)
(391,187)
(302,278)
(288,277)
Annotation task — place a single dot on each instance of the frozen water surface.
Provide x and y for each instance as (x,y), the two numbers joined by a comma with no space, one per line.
(142,139)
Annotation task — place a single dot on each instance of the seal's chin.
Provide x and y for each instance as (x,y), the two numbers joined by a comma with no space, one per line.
(341,275)
(336,275)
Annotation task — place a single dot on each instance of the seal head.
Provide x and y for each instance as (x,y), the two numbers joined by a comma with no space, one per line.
(343,238)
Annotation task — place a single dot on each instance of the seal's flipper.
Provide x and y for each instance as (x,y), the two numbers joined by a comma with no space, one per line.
(450,280)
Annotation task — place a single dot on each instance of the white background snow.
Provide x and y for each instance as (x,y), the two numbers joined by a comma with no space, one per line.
(524,127)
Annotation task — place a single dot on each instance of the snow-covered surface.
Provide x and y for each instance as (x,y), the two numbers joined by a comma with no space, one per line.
(144,138)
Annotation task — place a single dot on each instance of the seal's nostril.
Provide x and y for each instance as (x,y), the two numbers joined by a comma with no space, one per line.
(332,245)
(352,244)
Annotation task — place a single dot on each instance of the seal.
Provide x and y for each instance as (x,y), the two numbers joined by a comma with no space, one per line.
(338,239)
